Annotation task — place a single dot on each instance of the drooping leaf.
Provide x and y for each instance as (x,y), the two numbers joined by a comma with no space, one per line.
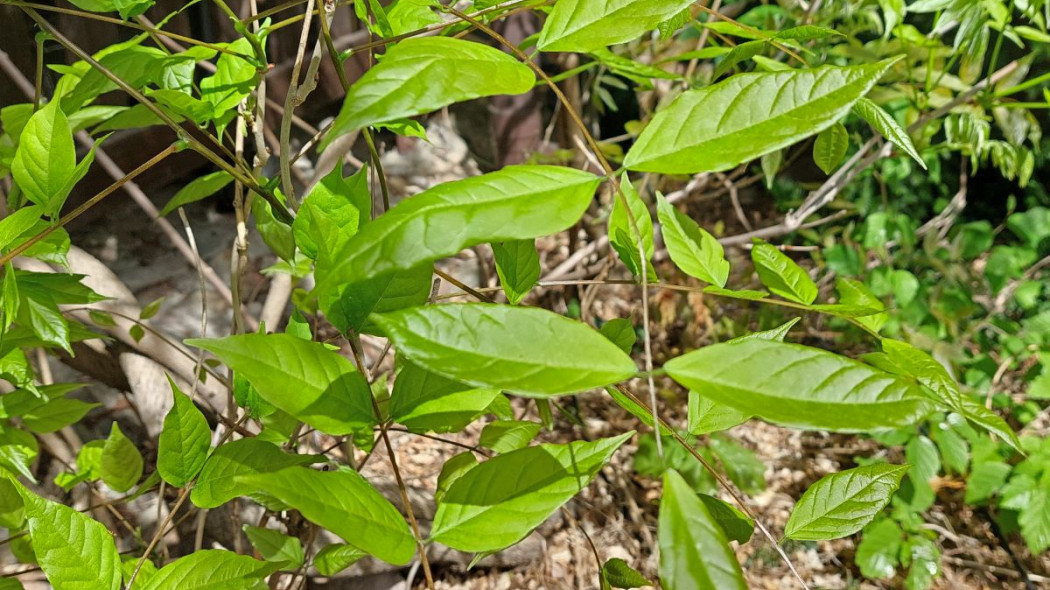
(211,569)
(515,203)
(46,158)
(184,441)
(887,126)
(694,552)
(422,74)
(305,379)
(526,350)
(276,546)
(782,275)
(800,386)
(748,115)
(500,501)
(199,188)
(121,461)
(735,524)
(622,235)
(518,267)
(830,147)
(345,503)
(693,250)
(218,482)
(840,504)
(586,25)
(424,401)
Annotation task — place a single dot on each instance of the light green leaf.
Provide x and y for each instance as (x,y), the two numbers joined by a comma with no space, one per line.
(233,80)
(840,504)
(10,303)
(735,524)
(878,549)
(56,414)
(48,323)
(855,293)
(504,436)
(497,503)
(18,450)
(335,558)
(782,275)
(200,188)
(707,415)
(830,147)
(526,350)
(423,401)
(276,546)
(17,223)
(45,158)
(621,332)
(887,126)
(452,470)
(218,481)
(344,503)
(422,74)
(184,441)
(586,25)
(212,569)
(693,250)
(305,379)
(740,463)
(332,212)
(694,552)
(748,115)
(518,267)
(406,16)
(622,235)
(1035,519)
(800,386)
(121,461)
(515,203)
(75,552)
(352,304)
(618,574)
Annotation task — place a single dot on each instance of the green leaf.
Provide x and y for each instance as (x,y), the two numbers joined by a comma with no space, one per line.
(526,350)
(121,461)
(1035,518)
(887,126)
(276,546)
(9,290)
(782,275)
(740,463)
(855,293)
(18,223)
(986,479)
(586,25)
(830,147)
(332,212)
(840,504)
(423,401)
(75,552)
(707,415)
(200,188)
(735,524)
(409,15)
(233,80)
(219,480)
(18,450)
(56,415)
(352,304)
(518,267)
(48,323)
(212,569)
(515,203)
(800,386)
(344,503)
(420,75)
(305,379)
(184,441)
(45,158)
(336,557)
(497,503)
(693,250)
(748,115)
(618,574)
(878,549)
(622,235)
(694,552)
(504,436)
(621,332)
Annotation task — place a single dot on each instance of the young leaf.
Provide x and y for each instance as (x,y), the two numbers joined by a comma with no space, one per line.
(694,552)
(693,250)
(840,504)
(830,147)
(211,568)
(344,503)
(855,293)
(184,441)
(332,212)
(618,574)
(18,223)
(782,275)
(887,126)
(504,436)
(622,235)
(800,386)
(200,188)
(497,503)
(515,203)
(586,25)
(423,74)
(276,546)
(526,350)
(121,461)
(45,158)
(233,81)
(423,401)
(748,115)
(305,379)
(219,479)
(518,267)
(75,551)
(336,557)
